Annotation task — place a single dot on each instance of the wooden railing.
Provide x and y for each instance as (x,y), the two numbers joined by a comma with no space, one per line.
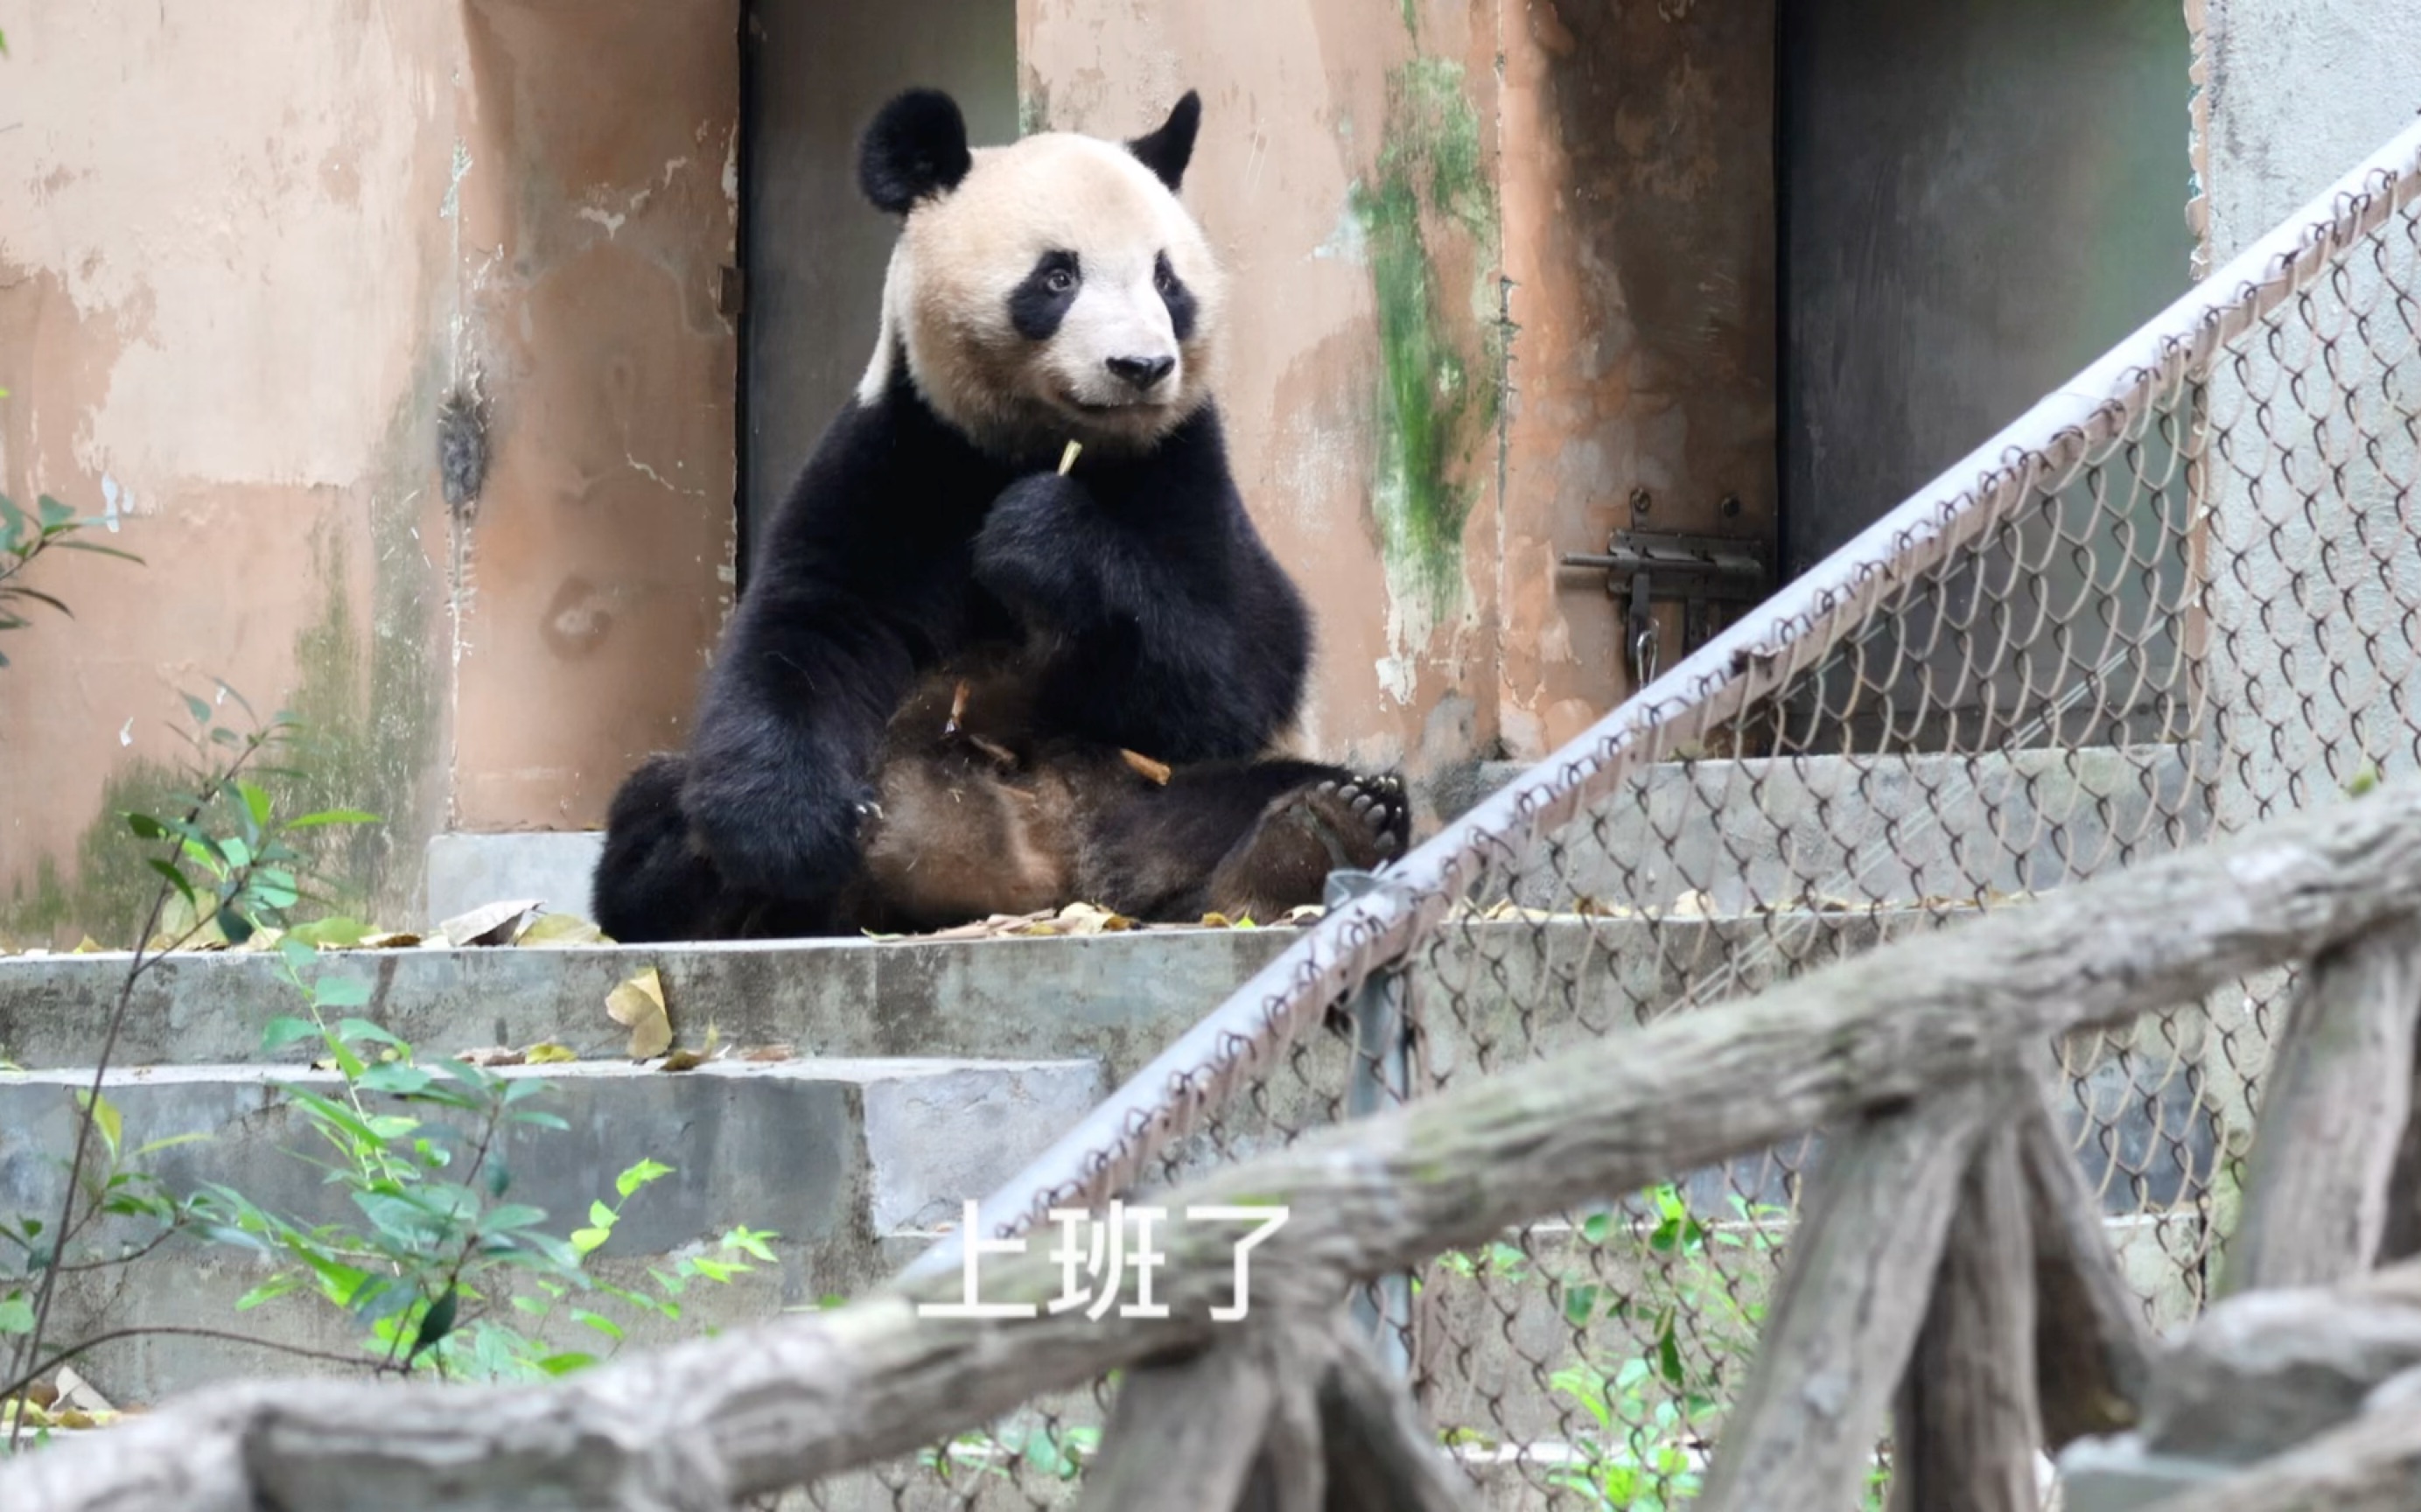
(1950,1265)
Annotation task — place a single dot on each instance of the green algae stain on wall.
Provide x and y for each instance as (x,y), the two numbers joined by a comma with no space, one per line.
(367,700)
(366,695)
(365,704)
(110,892)
(1438,394)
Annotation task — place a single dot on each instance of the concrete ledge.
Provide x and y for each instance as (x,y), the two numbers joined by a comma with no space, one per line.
(821,1149)
(1117,998)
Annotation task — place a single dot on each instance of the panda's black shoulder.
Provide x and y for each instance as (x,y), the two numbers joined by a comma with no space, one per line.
(1190,463)
(888,479)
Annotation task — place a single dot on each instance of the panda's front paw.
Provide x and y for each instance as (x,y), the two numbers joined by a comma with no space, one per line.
(1030,549)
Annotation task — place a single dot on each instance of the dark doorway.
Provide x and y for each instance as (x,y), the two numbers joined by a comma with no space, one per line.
(812,249)
(1978,198)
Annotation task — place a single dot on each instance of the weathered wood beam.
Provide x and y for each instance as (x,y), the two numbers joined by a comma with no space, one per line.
(2260,1373)
(1382,1454)
(1965,1429)
(773,1407)
(2332,1117)
(1291,1415)
(1186,1434)
(1291,1473)
(2092,1345)
(2402,1239)
(1862,1262)
(2369,1464)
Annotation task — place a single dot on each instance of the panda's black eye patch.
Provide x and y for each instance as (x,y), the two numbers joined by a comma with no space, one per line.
(1174,294)
(1041,303)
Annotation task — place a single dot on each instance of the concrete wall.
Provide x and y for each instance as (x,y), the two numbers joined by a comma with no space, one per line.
(245,253)
(2292,95)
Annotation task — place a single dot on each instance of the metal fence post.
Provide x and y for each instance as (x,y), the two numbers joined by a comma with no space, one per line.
(1381,1077)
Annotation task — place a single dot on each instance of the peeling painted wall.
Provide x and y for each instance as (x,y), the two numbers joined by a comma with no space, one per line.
(245,253)
(598,569)
(1640,214)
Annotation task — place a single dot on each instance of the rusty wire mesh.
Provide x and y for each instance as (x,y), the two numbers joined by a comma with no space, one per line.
(2177,596)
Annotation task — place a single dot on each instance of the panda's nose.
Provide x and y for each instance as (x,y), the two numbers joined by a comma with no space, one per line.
(1142,372)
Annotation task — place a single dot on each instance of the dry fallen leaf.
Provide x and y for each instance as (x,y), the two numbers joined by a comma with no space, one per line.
(559,930)
(638,1006)
(992,927)
(547,1053)
(76,1391)
(393,939)
(88,947)
(492,923)
(491,1056)
(770,1053)
(1091,918)
(690,1060)
(1307,914)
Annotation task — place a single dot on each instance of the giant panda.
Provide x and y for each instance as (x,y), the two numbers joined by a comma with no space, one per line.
(966,678)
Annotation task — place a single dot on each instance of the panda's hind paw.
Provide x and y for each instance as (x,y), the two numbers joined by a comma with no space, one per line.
(1378,801)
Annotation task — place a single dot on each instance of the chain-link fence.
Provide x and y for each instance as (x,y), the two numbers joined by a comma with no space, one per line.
(2179,595)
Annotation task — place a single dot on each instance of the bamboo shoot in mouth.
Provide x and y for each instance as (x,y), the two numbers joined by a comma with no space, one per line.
(958,708)
(1067,458)
(1156,770)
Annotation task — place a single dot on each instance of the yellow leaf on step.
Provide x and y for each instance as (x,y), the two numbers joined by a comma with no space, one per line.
(559,930)
(638,1006)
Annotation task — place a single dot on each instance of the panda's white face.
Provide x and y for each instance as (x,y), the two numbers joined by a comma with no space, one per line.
(1058,292)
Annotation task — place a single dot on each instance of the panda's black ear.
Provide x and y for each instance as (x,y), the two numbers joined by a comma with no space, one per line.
(1167,150)
(916,147)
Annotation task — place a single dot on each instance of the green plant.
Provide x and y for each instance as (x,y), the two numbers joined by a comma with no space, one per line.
(24,538)
(1054,1450)
(227,864)
(1648,1418)
(1499,1259)
(428,1180)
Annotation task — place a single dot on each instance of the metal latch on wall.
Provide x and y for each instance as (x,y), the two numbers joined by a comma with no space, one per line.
(1698,571)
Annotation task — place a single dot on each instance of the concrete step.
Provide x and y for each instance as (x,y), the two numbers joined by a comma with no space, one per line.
(849,1162)
(1114,998)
